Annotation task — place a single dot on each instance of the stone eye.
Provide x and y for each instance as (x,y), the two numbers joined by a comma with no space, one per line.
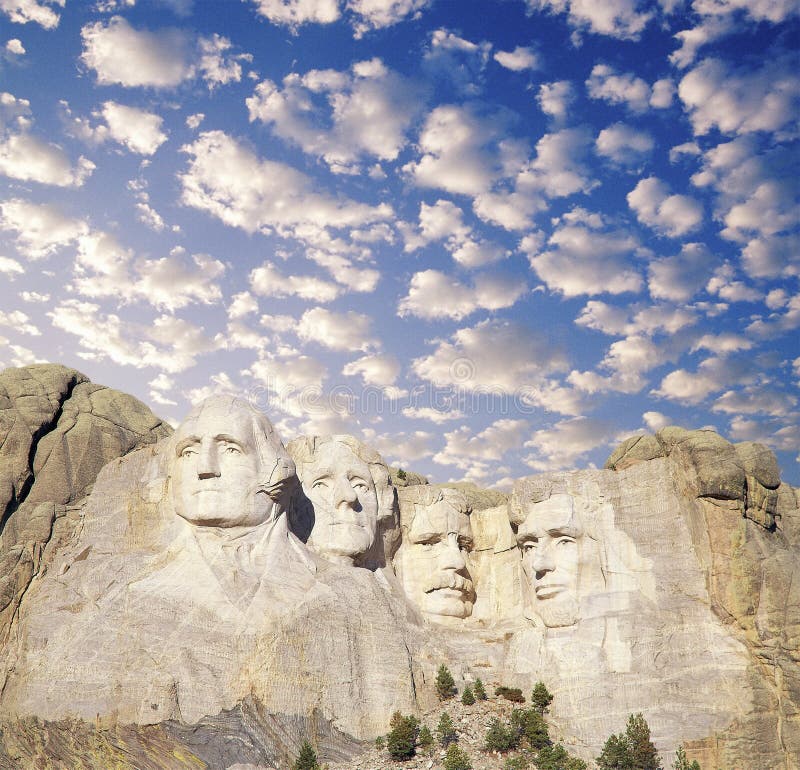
(232,450)
(188,451)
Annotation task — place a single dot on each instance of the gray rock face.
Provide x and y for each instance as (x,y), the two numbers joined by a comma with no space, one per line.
(205,607)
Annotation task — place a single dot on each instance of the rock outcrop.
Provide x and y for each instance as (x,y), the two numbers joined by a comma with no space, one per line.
(215,599)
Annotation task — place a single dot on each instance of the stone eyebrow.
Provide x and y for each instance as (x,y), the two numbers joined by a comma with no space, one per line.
(227,437)
(183,443)
(568,529)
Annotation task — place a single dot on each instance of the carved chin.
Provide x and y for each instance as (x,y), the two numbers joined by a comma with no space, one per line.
(447,603)
(558,612)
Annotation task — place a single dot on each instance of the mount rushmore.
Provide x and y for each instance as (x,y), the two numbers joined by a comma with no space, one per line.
(216,594)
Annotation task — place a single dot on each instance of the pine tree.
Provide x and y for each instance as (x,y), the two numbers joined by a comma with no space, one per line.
(402,740)
(682,763)
(307,759)
(445,685)
(616,754)
(446,730)
(480,693)
(425,738)
(541,698)
(642,751)
(557,758)
(530,724)
(467,697)
(456,758)
(500,738)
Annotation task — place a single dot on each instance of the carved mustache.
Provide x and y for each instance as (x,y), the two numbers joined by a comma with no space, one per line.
(450,580)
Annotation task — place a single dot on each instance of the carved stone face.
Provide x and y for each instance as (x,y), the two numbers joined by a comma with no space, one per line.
(550,539)
(340,487)
(432,562)
(218,471)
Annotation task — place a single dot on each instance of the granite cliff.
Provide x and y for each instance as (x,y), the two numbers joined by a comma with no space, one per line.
(213,596)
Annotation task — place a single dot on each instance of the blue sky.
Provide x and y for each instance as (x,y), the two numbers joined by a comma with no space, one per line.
(489,238)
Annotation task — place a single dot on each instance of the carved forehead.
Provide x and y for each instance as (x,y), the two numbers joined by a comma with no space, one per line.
(333,457)
(557,514)
(437,513)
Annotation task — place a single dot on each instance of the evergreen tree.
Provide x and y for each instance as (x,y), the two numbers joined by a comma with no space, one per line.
(445,685)
(500,738)
(456,758)
(446,730)
(616,754)
(530,724)
(307,759)
(425,738)
(467,697)
(402,740)
(480,693)
(642,751)
(682,763)
(557,758)
(541,698)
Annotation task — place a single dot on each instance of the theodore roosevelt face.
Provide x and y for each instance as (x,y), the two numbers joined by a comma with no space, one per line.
(218,468)
(550,539)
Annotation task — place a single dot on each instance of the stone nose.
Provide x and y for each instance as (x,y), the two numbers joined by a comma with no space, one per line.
(208,462)
(343,492)
(543,560)
(452,557)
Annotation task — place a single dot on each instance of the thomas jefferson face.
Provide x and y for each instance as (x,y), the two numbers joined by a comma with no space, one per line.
(340,487)
(432,562)
(550,539)
(217,469)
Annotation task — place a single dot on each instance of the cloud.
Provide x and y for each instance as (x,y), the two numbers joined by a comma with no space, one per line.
(723,284)
(518,60)
(138,130)
(216,65)
(402,449)
(635,320)
(712,375)
(119,53)
(366,115)
(458,60)
(756,399)
(606,84)
(380,369)
(680,277)
(433,414)
(556,98)
(338,331)
(438,221)
(10,267)
(37,11)
(19,322)
(15,47)
(671,215)
(455,156)
(433,294)
(615,18)
(627,360)
(772,256)
(293,13)
(170,283)
(268,281)
(494,354)
(624,145)
(229,181)
(168,343)
(655,421)
(27,158)
(586,260)
(743,100)
(378,14)
(561,446)
(41,229)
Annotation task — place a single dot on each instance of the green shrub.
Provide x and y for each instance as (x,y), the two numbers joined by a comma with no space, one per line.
(500,738)
(478,690)
(402,740)
(425,738)
(541,698)
(514,694)
(530,724)
(445,686)
(456,758)
(682,763)
(467,697)
(557,758)
(380,742)
(401,474)
(516,763)
(307,759)
(446,730)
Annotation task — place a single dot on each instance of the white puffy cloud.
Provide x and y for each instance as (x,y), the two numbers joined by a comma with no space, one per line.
(744,100)
(379,369)
(438,221)
(712,375)
(19,322)
(170,283)
(561,446)
(756,399)
(773,433)
(368,110)
(10,267)
(15,47)
(377,14)
(772,256)
(361,279)
(25,157)
(493,354)
(680,277)
(228,180)
(655,421)
(403,449)
(520,59)
(615,18)
(41,228)
(37,11)
(723,283)
(472,254)
(268,281)
(470,452)
(168,343)
(293,13)
(338,331)
(121,54)
(672,215)
(458,60)
(555,98)
(139,130)
(430,413)
(216,64)
(627,361)
(433,294)
(624,144)
(635,320)
(584,260)
(606,84)
(455,156)
(242,304)
(289,374)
